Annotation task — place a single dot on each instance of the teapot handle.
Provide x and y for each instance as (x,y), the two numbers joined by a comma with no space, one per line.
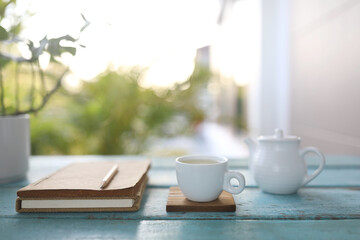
(303,152)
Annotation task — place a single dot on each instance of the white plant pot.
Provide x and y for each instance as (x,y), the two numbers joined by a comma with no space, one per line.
(14,147)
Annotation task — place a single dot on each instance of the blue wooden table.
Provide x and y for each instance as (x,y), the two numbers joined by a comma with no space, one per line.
(328,208)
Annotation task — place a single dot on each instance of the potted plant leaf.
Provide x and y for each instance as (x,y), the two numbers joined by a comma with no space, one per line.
(25,88)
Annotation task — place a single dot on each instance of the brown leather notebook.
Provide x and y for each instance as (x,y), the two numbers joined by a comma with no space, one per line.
(76,188)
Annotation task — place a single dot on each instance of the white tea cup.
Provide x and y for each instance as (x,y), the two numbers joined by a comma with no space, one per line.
(202,178)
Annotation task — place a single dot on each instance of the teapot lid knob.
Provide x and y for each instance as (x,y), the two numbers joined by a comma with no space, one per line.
(279,133)
(278,136)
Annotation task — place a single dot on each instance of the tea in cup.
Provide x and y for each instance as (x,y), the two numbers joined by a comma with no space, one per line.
(202,178)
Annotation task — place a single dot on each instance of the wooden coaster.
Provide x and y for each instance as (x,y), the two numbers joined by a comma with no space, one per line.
(177,202)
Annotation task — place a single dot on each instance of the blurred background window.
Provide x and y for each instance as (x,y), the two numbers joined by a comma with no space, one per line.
(182,77)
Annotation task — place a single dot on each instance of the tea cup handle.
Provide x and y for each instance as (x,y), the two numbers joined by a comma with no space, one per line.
(227,185)
(303,152)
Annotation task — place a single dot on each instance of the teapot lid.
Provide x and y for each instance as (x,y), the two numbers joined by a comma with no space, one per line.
(279,136)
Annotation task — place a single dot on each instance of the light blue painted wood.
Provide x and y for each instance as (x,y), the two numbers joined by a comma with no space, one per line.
(308,214)
(331,161)
(166,177)
(162,175)
(188,229)
(252,204)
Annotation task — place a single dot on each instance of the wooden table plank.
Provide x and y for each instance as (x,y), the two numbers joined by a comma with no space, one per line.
(334,194)
(188,229)
(340,176)
(166,177)
(331,160)
(252,204)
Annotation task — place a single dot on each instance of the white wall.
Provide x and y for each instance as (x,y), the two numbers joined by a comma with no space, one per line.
(325,75)
(268,101)
(310,73)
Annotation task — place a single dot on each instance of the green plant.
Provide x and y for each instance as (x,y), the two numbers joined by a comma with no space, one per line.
(29,93)
(115,115)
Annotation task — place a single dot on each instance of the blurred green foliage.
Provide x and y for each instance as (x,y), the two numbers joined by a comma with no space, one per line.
(115,115)
(15,21)
(111,115)
(24,95)
(239,119)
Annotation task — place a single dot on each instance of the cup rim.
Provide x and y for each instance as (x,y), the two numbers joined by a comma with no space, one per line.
(218,159)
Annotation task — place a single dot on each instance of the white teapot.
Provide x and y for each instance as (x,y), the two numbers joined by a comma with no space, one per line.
(278,165)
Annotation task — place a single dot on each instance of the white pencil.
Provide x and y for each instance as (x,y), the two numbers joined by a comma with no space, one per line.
(109,176)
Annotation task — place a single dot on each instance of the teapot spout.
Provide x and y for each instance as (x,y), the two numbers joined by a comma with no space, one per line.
(252,147)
